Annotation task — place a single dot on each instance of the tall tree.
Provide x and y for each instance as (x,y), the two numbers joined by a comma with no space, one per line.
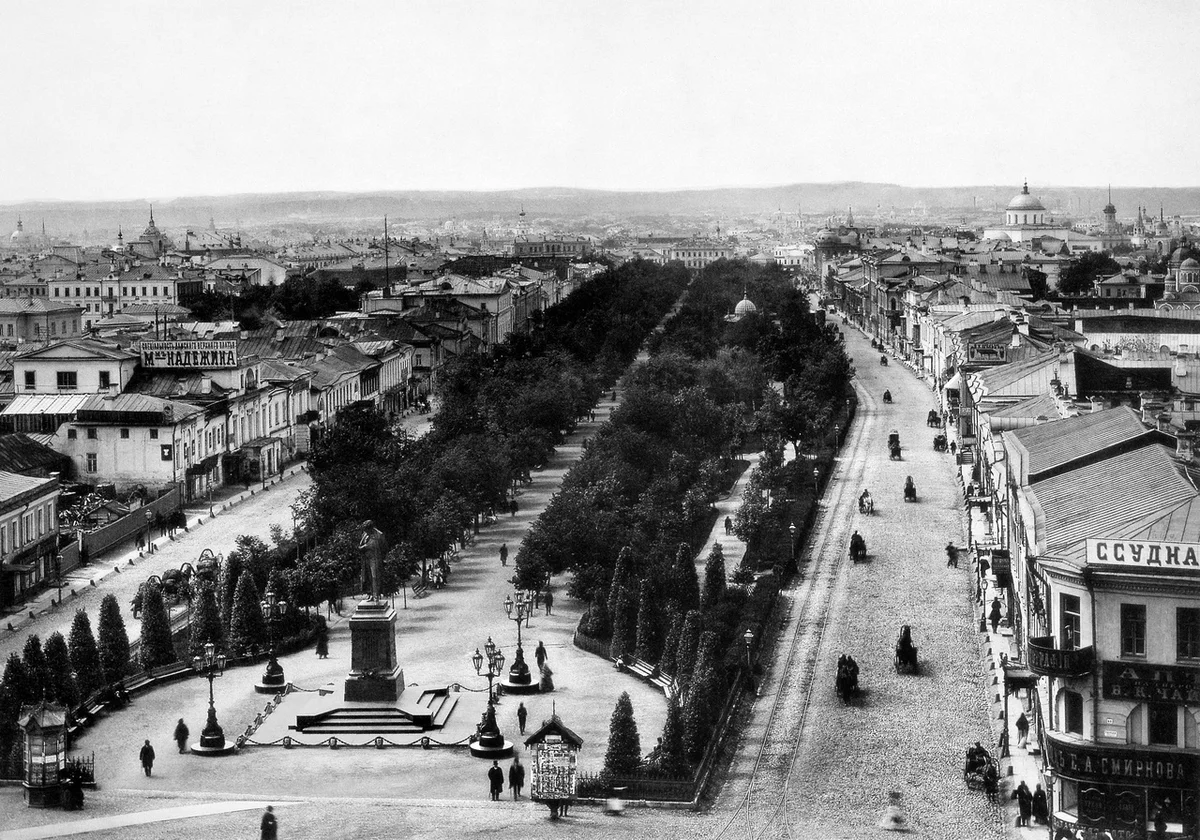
(247,628)
(714,578)
(62,681)
(1080,277)
(156,646)
(623,627)
(670,647)
(623,756)
(227,581)
(113,641)
(673,755)
(687,590)
(649,625)
(16,677)
(36,669)
(622,580)
(689,640)
(85,656)
(206,624)
(703,700)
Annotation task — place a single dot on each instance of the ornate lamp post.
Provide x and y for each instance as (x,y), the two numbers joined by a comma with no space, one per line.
(58,564)
(495,663)
(518,679)
(837,434)
(748,638)
(817,480)
(273,608)
(212,739)
(792,531)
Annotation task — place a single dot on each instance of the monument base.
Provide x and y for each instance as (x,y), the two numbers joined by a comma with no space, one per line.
(370,687)
(375,676)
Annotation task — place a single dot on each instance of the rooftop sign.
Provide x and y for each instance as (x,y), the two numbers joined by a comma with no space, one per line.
(189,354)
(1142,553)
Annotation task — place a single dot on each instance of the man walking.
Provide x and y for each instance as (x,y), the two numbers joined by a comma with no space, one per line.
(181,735)
(549,601)
(994,615)
(268,828)
(728,526)
(504,554)
(522,714)
(539,654)
(516,777)
(147,757)
(495,780)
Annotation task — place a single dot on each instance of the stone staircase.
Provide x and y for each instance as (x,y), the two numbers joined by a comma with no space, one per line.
(429,711)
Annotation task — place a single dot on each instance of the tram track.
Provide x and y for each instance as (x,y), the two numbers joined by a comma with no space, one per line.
(763,809)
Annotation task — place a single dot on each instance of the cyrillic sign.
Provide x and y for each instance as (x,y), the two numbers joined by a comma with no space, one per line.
(189,354)
(1142,553)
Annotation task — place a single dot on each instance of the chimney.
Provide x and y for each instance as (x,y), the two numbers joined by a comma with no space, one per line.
(1185,446)
(206,385)
(998,315)
(1097,404)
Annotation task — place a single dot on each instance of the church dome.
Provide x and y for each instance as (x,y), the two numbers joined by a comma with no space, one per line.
(1024,201)
(1190,264)
(19,233)
(745,307)
(827,237)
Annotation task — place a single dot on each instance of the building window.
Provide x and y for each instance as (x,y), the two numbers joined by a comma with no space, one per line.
(67,380)
(37,330)
(1187,633)
(1073,712)
(154,434)
(30,380)
(72,434)
(1133,630)
(165,449)
(1068,621)
(91,434)
(1162,724)
(91,461)
(124,434)
(105,379)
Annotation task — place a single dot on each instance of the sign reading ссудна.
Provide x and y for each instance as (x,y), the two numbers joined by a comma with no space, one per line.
(1142,553)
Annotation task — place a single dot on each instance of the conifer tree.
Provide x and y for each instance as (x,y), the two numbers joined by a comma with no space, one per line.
(206,624)
(16,679)
(10,733)
(58,661)
(36,669)
(714,578)
(623,628)
(156,646)
(247,628)
(703,700)
(595,622)
(227,580)
(649,626)
(622,579)
(113,641)
(277,583)
(687,582)
(670,648)
(673,761)
(624,754)
(689,640)
(85,656)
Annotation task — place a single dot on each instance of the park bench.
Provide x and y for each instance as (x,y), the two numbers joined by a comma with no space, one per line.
(420,589)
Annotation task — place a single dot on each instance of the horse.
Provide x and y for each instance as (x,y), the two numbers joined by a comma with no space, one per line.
(866,505)
(887,396)
(933,420)
(910,490)
(844,683)
(858,548)
(939,443)
(894,451)
(906,651)
(883,360)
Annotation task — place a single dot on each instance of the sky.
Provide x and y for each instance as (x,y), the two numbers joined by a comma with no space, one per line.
(130,99)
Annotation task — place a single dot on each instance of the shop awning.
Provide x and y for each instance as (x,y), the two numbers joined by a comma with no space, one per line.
(954,383)
(9,566)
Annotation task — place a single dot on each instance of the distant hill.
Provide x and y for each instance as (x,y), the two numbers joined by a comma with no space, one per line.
(813,200)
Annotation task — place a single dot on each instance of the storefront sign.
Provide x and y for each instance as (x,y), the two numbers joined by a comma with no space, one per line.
(1049,661)
(1142,553)
(189,354)
(553,770)
(987,353)
(1109,765)
(1153,683)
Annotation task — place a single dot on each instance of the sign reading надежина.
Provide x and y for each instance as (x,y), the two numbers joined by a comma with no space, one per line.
(1142,553)
(189,354)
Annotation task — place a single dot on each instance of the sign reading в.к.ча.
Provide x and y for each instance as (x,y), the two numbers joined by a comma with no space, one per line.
(189,354)
(1142,553)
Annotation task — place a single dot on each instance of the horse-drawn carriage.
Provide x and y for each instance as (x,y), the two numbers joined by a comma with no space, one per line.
(939,443)
(866,505)
(910,490)
(893,443)
(933,419)
(887,397)
(906,651)
(982,772)
(883,360)
(858,547)
(846,681)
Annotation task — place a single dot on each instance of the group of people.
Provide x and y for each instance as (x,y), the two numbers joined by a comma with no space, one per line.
(865,503)
(1031,804)
(516,779)
(847,665)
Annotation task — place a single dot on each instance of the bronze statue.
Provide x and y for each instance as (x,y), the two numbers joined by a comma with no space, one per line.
(373,546)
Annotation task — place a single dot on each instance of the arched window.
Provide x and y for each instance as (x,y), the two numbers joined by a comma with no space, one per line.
(1072,712)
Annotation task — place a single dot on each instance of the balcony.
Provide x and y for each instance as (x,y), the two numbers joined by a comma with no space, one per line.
(1049,661)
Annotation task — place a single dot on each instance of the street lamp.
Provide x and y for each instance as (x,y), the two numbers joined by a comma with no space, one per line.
(817,480)
(495,663)
(792,531)
(748,638)
(837,434)
(519,678)
(210,665)
(58,564)
(273,608)
(149,544)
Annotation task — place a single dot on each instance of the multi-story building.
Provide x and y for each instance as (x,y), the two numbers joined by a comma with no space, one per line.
(698,253)
(37,319)
(28,534)
(74,366)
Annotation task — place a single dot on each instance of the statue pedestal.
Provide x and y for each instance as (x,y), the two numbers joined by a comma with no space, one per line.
(374,675)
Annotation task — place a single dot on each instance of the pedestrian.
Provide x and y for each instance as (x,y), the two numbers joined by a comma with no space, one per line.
(546,683)
(614,395)
(516,777)
(592,416)
(495,780)
(323,643)
(549,601)
(953,448)
(1022,731)
(539,654)
(512,507)
(503,554)
(1024,803)
(951,555)
(522,715)
(147,757)
(995,613)
(1040,812)
(728,526)
(181,735)
(268,827)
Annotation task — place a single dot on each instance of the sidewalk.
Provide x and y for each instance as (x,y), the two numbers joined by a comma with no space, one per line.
(178,812)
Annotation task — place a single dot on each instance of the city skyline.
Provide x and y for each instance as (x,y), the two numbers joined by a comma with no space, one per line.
(223,99)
